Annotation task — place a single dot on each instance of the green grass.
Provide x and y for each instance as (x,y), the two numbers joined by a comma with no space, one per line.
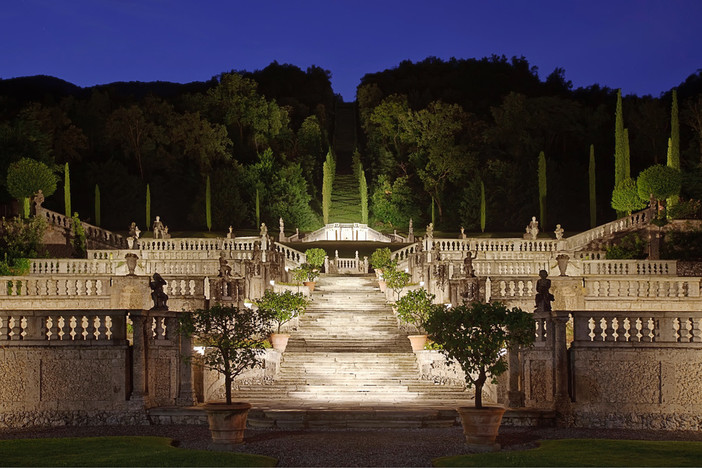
(346,200)
(117,451)
(588,452)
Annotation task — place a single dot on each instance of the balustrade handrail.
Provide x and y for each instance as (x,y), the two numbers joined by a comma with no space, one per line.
(629,267)
(91,232)
(640,218)
(47,327)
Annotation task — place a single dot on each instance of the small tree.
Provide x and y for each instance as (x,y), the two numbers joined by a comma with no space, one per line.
(21,238)
(659,182)
(363,188)
(477,336)
(26,177)
(315,257)
(395,278)
(415,307)
(282,307)
(625,197)
(380,258)
(305,273)
(79,240)
(233,337)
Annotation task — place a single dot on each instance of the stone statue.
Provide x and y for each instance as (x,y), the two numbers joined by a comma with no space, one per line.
(430,231)
(225,270)
(38,199)
(532,230)
(158,228)
(543,295)
(230,234)
(159,297)
(264,230)
(134,231)
(410,231)
(165,233)
(558,232)
(463,233)
(282,225)
(468,265)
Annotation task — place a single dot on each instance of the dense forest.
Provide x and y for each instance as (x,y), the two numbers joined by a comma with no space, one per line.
(430,136)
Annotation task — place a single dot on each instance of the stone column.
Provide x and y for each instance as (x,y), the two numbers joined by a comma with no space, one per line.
(186,391)
(515,396)
(140,391)
(558,333)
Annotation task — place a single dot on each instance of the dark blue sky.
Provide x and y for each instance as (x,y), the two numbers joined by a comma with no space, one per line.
(641,46)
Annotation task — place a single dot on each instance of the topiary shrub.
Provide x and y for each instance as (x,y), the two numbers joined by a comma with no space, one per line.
(380,258)
(315,257)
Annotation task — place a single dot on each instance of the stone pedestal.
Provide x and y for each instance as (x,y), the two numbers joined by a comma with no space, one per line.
(130,292)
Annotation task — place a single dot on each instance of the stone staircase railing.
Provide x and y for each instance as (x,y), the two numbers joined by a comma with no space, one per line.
(629,267)
(92,233)
(635,220)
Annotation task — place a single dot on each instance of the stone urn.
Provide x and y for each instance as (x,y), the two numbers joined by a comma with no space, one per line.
(309,284)
(418,342)
(383,285)
(480,426)
(279,341)
(562,260)
(227,422)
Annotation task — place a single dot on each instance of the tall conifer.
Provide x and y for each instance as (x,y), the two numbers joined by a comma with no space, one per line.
(208,205)
(674,142)
(327,181)
(67,191)
(627,155)
(363,188)
(619,146)
(542,188)
(592,186)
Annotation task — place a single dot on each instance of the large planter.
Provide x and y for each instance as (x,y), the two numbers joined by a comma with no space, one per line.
(279,341)
(383,285)
(227,422)
(480,426)
(309,284)
(417,342)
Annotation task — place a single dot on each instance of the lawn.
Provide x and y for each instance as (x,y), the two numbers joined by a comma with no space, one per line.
(117,451)
(588,452)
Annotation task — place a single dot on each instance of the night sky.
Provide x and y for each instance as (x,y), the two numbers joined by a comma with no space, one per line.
(641,46)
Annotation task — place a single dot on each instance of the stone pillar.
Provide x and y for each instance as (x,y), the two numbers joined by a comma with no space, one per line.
(186,390)
(558,333)
(515,396)
(140,390)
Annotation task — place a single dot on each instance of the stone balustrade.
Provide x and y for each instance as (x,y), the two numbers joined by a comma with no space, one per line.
(96,327)
(94,233)
(654,288)
(610,328)
(54,286)
(70,266)
(629,267)
(509,267)
(635,220)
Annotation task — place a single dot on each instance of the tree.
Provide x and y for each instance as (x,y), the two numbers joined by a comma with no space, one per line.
(592,187)
(148,206)
(674,142)
(542,188)
(619,146)
(396,203)
(97,206)
(26,177)
(476,336)
(208,204)
(363,188)
(67,191)
(282,307)
(79,240)
(625,197)
(232,336)
(327,183)
(659,182)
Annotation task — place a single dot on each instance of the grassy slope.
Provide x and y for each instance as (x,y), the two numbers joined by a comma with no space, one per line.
(117,451)
(588,452)
(346,200)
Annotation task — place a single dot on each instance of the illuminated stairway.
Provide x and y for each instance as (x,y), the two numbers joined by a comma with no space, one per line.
(349,365)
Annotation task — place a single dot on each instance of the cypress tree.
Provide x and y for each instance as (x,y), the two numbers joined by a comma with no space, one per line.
(674,142)
(627,155)
(542,188)
(619,146)
(67,191)
(327,182)
(97,205)
(483,210)
(148,207)
(363,187)
(258,208)
(593,193)
(208,205)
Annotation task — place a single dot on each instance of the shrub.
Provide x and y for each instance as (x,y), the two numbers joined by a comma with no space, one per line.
(282,307)
(415,307)
(682,245)
(315,257)
(631,246)
(22,238)
(625,197)
(686,209)
(396,279)
(380,258)
(660,181)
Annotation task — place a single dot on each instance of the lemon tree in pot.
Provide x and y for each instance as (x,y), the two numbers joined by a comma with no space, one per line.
(234,340)
(414,308)
(380,259)
(476,336)
(281,308)
(313,265)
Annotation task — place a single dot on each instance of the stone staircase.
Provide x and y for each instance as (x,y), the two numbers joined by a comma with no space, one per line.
(349,365)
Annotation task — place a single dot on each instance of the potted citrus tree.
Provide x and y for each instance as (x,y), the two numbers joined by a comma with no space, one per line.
(313,266)
(395,279)
(476,336)
(414,308)
(380,259)
(233,338)
(281,308)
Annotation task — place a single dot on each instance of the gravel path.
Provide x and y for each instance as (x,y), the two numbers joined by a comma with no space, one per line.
(382,447)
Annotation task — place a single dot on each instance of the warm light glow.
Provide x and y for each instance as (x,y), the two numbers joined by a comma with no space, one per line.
(421,283)
(272,282)
(248,304)
(200,350)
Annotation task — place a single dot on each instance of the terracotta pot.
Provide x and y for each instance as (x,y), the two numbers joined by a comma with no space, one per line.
(418,342)
(383,285)
(480,426)
(227,422)
(279,341)
(309,284)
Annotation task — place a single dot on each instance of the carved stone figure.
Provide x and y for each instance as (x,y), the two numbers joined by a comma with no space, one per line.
(558,232)
(38,199)
(468,265)
(230,234)
(159,297)
(134,230)
(282,225)
(532,230)
(410,231)
(463,233)
(225,270)
(165,233)
(264,230)
(158,228)
(430,231)
(543,295)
